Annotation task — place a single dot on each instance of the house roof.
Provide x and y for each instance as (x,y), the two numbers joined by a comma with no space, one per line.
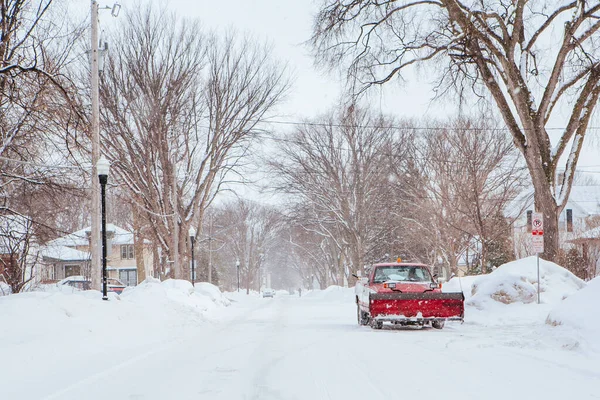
(81,237)
(64,253)
(583,200)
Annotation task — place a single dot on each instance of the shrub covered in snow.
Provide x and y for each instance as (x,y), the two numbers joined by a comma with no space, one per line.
(516,282)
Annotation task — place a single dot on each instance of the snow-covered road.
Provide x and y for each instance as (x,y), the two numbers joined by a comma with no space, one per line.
(311,348)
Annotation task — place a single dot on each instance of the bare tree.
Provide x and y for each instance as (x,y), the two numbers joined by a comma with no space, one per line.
(335,167)
(179,107)
(251,233)
(474,174)
(508,47)
(16,259)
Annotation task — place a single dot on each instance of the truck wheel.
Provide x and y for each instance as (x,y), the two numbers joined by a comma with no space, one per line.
(361,317)
(376,324)
(438,324)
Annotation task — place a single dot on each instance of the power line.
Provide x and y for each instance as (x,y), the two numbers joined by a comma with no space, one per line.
(400,127)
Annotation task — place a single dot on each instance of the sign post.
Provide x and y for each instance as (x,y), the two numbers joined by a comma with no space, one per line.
(537,242)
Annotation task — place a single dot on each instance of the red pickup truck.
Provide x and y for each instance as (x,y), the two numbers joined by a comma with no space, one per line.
(405,294)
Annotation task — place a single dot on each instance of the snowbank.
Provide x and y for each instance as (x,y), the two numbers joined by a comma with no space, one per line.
(212,292)
(463,284)
(149,306)
(579,314)
(241,296)
(516,282)
(332,293)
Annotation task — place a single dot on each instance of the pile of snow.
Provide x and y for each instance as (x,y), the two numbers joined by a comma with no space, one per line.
(332,293)
(463,284)
(212,292)
(579,314)
(516,282)
(66,329)
(178,294)
(241,295)
(282,292)
(152,306)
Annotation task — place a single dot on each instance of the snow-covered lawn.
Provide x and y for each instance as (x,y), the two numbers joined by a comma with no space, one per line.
(167,341)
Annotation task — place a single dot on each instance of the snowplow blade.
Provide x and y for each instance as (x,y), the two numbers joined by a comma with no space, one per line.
(398,307)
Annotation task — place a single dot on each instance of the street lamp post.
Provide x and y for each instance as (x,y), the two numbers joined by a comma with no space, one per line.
(192,233)
(103,167)
(237,264)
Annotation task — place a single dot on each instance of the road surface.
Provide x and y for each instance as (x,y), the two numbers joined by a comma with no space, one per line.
(291,348)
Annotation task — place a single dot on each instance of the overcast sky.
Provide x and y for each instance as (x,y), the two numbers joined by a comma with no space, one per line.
(287,24)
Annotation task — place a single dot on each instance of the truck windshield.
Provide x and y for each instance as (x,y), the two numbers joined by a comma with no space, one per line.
(406,273)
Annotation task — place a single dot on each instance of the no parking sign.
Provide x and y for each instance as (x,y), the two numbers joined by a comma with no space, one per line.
(537,232)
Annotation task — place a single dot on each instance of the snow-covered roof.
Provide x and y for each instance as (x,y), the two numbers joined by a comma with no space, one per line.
(64,253)
(81,237)
(583,200)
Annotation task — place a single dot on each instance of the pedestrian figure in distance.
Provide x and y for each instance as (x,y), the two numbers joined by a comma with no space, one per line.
(299,292)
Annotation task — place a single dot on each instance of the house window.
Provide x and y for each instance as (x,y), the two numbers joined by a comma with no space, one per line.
(72,270)
(569,220)
(128,277)
(529,218)
(127,252)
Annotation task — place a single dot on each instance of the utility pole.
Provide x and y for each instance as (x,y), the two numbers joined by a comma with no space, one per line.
(174,201)
(210,226)
(95,233)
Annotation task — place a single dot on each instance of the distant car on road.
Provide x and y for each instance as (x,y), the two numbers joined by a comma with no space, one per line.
(77,281)
(268,293)
(82,283)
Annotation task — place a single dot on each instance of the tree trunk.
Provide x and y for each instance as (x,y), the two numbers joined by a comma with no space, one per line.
(138,245)
(546,204)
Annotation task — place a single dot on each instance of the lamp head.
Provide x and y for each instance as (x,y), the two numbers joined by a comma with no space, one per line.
(116,8)
(103,166)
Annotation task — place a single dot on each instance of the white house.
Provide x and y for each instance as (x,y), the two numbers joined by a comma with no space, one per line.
(70,255)
(583,203)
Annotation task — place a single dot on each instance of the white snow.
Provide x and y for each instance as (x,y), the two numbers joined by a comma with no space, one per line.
(81,237)
(516,282)
(212,292)
(461,284)
(170,340)
(332,293)
(579,316)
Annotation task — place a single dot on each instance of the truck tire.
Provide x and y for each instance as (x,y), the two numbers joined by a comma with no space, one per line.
(362,317)
(438,324)
(376,324)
